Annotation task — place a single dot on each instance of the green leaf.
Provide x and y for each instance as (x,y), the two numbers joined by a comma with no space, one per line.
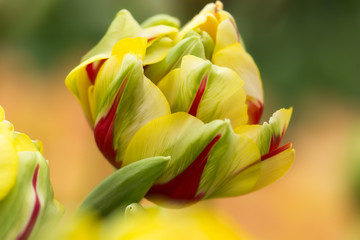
(125,186)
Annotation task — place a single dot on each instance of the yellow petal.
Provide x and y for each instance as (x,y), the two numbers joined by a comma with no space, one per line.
(236,58)
(275,167)
(24,143)
(227,35)
(78,83)
(8,165)
(158,50)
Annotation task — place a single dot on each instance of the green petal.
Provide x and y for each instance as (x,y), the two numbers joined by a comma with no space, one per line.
(269,134)
(123,26)
(223,98)
(125,186)
(161,19)
(158,50)
(188,46)
(258,175)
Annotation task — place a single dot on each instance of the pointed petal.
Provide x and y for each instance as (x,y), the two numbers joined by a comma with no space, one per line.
(227,35)
(236,58)
(206,91)
(123,26)
(272,133)
(161,19)
(206,22)
(259,174)
(269,135)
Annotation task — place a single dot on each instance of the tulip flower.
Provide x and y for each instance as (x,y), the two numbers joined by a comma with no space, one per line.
(26,195)
(203,112)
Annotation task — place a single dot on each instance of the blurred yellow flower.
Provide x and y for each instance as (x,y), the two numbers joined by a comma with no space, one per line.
(26,195)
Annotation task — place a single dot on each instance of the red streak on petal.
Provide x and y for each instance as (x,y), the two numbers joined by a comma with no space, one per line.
(198,96)
(34,215)
(93,68)
(184,186)
(275,152)
(275,140)
(104,130)
(255,110)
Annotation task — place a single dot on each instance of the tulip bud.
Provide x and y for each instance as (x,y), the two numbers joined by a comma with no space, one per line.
(206,159)
(26,195)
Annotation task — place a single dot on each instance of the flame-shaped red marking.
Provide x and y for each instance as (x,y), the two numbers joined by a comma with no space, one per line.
(104,130)
(200,92)
(36,209)
(183,188)
(93,68)
(275,152)
(255,110)
(275,140)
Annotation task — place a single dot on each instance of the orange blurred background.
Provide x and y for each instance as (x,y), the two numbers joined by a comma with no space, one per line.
(313,200)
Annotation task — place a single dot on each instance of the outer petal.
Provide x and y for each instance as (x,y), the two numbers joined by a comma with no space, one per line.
(202,155)
(258,175)
(123,26)
(78,82)
(124,101)
(206,91)
(269,135)
(188,46)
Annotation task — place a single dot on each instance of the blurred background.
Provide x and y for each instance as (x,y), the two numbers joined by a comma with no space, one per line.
(308,55)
